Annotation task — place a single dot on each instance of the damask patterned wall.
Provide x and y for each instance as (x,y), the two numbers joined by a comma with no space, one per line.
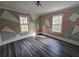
(9,24)
(70,27)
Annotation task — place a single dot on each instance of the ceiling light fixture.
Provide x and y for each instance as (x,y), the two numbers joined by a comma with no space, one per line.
(37,3)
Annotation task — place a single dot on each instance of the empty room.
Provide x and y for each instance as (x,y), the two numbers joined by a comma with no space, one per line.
(39,28)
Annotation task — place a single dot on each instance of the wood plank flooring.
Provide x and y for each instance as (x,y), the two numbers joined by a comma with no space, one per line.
(39,46)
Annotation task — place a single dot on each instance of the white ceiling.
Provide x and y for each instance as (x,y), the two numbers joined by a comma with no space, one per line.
(29,6)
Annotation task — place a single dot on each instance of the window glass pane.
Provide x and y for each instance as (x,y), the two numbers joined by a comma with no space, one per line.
(57,19)
(23,20)
(23,23)
(56,28)
(24,28)
(20,20)
(57,23)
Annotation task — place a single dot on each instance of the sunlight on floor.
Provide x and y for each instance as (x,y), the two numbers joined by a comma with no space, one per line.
(34,34)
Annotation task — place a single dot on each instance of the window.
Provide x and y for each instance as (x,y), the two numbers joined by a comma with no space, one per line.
(23,24)
(57,23)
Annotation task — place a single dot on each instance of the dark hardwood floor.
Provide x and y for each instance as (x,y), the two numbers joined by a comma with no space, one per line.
(39,46)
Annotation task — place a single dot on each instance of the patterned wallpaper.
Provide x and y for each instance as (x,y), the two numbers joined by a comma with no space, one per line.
(10,27)
(9,24)
(70,27)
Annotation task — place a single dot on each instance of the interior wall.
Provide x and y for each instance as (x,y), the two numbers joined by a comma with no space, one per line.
(70,27)
(10,26)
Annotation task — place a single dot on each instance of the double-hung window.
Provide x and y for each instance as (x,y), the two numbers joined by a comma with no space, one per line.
(57,23)
(23,24)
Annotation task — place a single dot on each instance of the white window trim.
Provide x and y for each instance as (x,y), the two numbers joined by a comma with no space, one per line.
(26,24)
(60,24)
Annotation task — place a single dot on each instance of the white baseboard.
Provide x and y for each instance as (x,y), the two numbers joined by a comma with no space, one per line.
(15,39)
(62,38)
